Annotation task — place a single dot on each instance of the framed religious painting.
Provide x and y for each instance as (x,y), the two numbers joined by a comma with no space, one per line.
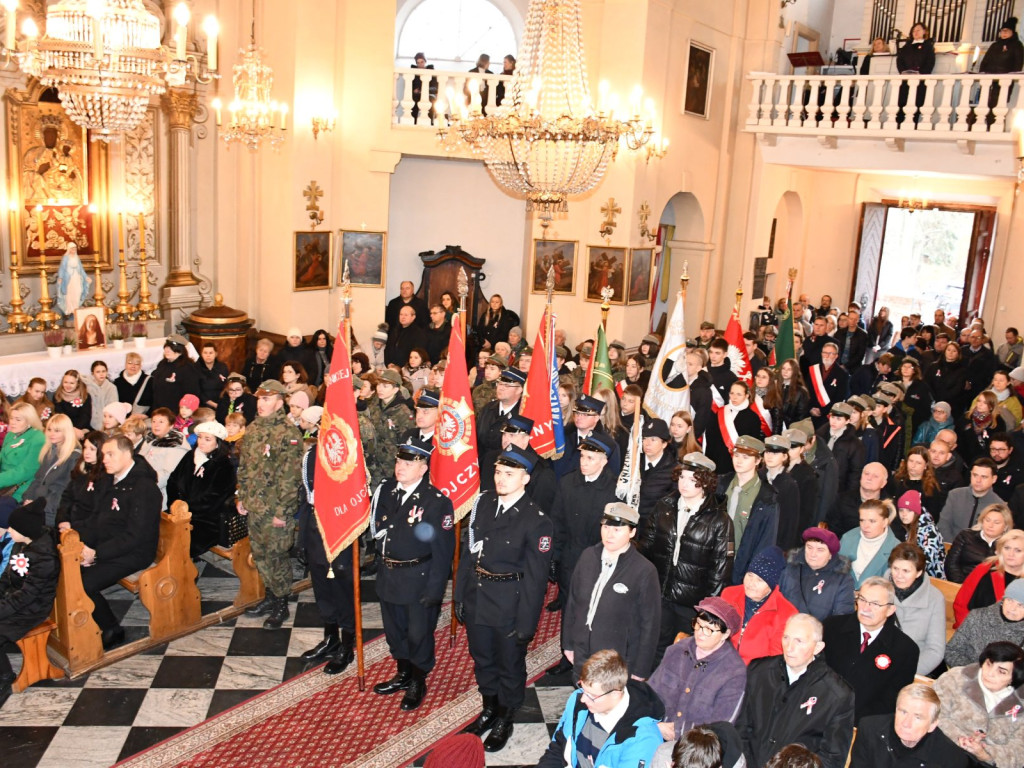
(641,262)
(311,265)
(700,62)
(89,327)
(364,253)
(606,268)
(557,255)
(59,180)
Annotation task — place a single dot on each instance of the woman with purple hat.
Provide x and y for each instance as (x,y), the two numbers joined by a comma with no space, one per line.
(701,678)
(817,579)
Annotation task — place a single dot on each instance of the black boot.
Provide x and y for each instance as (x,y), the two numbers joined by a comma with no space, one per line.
(501,731)
(262,608)
(111,638)
(401,680)
(485,719)
(326,648)
(278,614)
(344,655)
(416,691)
(563,666)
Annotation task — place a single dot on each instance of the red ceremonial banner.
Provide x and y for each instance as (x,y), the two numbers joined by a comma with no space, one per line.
(455,465)
(341,499)
(738,359)
(536,404)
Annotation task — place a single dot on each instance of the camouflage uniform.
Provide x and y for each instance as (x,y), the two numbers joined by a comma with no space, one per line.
(269,478)
(368,436)
(483,394)
(390,422)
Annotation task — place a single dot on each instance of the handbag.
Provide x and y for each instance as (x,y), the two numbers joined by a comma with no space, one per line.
(10,490)
(233,528)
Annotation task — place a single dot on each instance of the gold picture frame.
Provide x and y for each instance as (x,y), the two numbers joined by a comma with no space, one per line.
(641,271)
(311,261)
(560,254)
(90,329)
(606,266)
(366,256)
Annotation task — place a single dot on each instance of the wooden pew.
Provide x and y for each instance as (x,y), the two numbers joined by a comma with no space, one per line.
(35,664)
(250,586)
(77,637)
(168,587)
(949,591)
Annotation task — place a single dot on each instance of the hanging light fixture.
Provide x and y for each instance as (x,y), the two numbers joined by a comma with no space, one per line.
(551,143)
(255,117)
(105,59)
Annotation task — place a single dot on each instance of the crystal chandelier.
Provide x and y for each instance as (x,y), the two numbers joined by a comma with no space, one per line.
(255,117)
(105,59)
(548,142)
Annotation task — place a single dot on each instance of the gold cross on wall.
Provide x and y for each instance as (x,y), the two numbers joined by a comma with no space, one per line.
(313,193)
(609,209)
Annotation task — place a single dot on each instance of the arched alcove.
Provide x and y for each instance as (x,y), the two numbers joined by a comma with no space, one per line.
(789,227)
(452,33)
(685,245)
(684,212)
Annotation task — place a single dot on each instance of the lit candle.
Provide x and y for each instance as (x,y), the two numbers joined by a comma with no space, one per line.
(10,24)
(217,105)
(42,238)
(284,117)
(120,231)
(142,234)
(977,51)
(212,29)
(15,238)
(181,16)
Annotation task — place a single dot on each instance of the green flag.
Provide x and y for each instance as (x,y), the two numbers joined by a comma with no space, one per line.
(785,347)
(599,372)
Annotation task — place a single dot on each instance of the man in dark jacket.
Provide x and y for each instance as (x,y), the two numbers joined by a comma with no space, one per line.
(586,419)
(845,515)
(609,720)
(579,506)
(689,538)
(870,651)
(261,365)
(621,609)
(752,505)
(980,361)
(406,336)
(494,415)
(656,466)
(212,376)
(852,342)
(795,697)
(841,438)
(817,455)
(911,739)
(828,383)
(121,537)
(405,298)
(29,583)
(806,479)
(543,485)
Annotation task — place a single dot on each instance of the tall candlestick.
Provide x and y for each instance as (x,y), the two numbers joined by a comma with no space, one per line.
(123,308)
(145,307)
(17,320)
(46,317)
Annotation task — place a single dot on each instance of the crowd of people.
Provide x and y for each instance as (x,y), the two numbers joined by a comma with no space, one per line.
(770,588)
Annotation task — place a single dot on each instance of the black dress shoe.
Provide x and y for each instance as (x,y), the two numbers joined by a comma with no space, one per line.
(563,666)
(325,649)
(262,608)
(401,681)
(485,719)
(501,731)
(415,692)
(112,638)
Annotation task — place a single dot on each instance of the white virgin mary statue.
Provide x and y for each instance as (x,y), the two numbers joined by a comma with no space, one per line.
(73,283)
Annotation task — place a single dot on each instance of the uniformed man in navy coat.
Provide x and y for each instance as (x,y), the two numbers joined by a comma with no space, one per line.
(500,589)
(413,526)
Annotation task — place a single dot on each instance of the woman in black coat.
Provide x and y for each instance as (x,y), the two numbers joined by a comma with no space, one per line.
(236,398)
(494,326)
(701,565)
(205,480)
(880,333)
(796,400)
(947,379)
(322,349)
(734,419)
(174,377)
(917,54)
(1006,54)
(77,501)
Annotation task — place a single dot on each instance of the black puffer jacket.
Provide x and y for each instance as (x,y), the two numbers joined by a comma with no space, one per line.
(968,551)
(27,588)
(705,551)
(795,410)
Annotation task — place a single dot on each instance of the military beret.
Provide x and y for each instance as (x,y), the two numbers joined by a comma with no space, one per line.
(271,387)
(586,404)
(357,383)
(618,513)
(777,444)
(236,377)
(518,423)
(514,456)
(697,460)
(657,428)
(748,444)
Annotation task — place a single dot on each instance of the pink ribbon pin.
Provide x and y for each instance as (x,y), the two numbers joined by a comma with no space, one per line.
(266,450)
(818,587)
(1013,712)
(90,487)
(200,471)
(115,505)
(809,704)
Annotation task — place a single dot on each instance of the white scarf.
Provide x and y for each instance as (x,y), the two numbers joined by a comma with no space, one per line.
(199,458)
(608,562)
(683,515)
(993,698)
(132,379)
(866,550)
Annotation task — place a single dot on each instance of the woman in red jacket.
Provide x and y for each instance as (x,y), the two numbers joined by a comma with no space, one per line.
(762,606)
(986,583)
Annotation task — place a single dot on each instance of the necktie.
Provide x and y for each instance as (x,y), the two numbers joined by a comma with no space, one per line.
(974,510)
(864,642)
(501,508)
(734,502)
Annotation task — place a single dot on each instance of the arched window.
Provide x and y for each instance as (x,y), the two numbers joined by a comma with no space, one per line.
(453,33)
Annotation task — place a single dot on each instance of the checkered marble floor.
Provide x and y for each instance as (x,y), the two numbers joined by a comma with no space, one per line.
(110,714)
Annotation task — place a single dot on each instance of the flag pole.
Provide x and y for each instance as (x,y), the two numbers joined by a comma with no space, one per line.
(684,280)
(463,291)
(739,298)
(346,300)
(606,294)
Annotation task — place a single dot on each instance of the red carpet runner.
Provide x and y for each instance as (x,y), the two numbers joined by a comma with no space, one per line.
(314,719)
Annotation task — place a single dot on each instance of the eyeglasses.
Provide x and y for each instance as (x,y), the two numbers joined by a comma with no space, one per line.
(591,696)
(704,629)
(872,605)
